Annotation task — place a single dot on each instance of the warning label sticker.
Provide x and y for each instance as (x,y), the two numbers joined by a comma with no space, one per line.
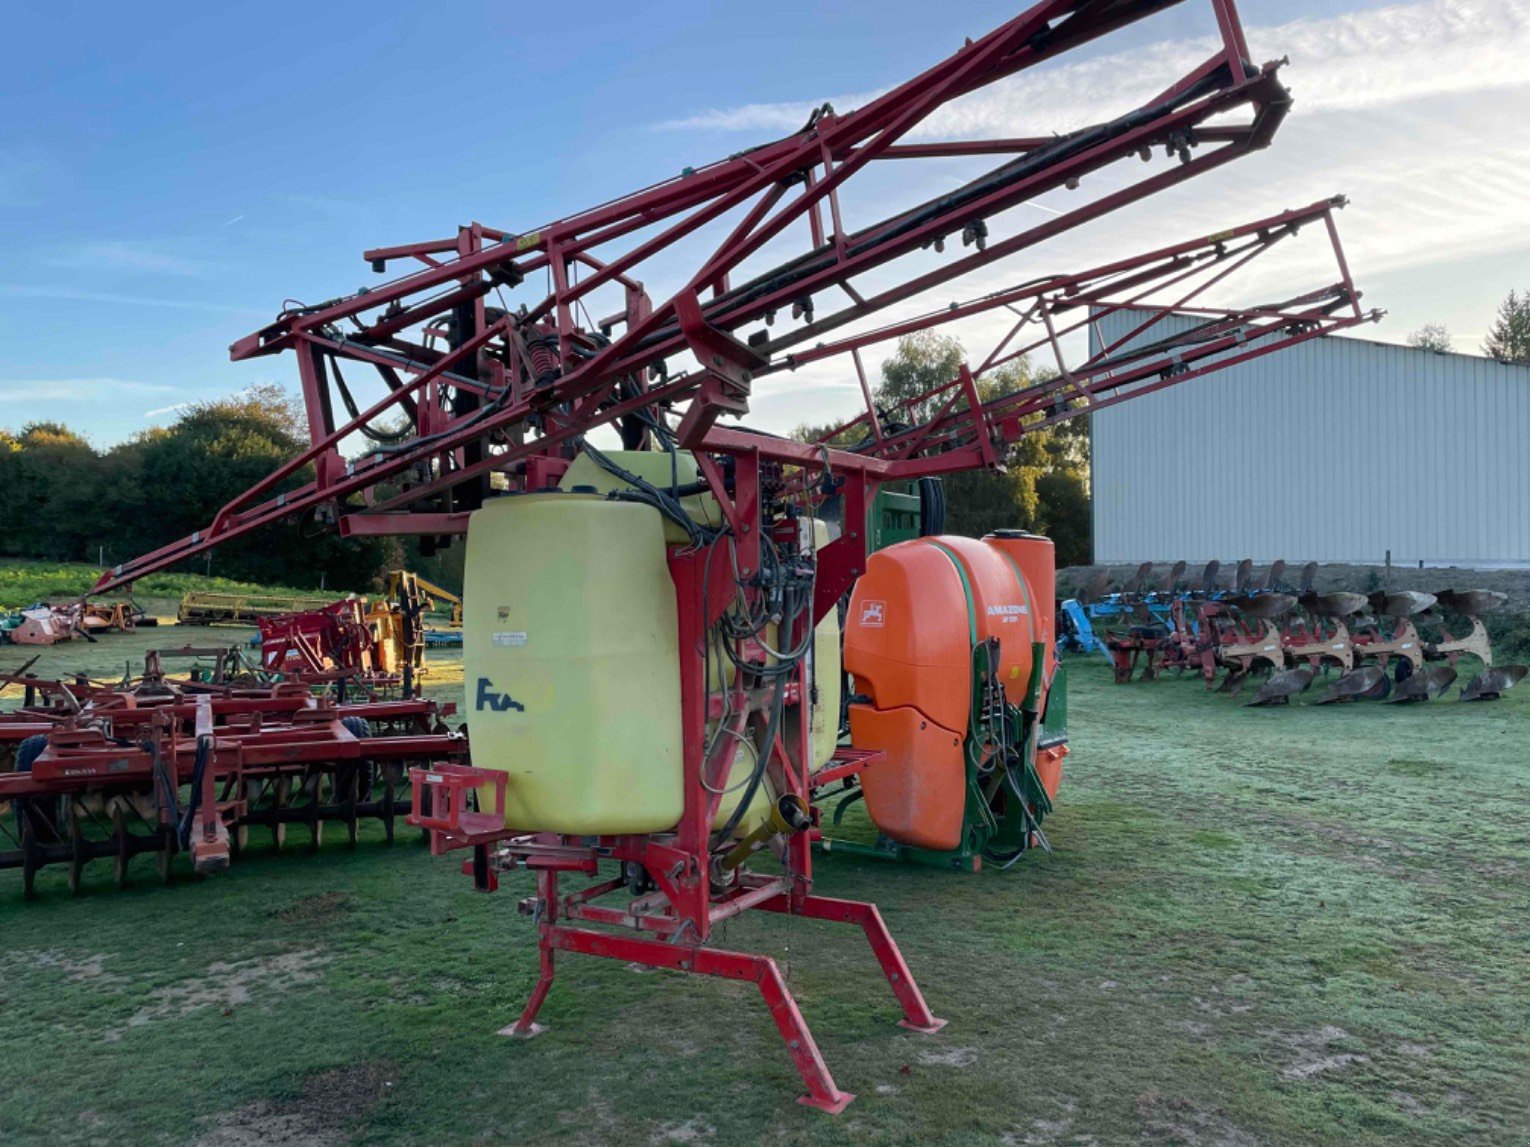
(873,614)
(518,637)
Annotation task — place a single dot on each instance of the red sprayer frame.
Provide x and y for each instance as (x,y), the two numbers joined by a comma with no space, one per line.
(487,389)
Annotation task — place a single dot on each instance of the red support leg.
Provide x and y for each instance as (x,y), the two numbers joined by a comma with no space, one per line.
(547,892)
(822,1091)
(916,1013)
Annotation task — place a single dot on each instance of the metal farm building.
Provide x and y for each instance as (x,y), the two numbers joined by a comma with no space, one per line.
(1336,450)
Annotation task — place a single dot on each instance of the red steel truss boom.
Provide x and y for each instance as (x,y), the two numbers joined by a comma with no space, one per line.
(485,383)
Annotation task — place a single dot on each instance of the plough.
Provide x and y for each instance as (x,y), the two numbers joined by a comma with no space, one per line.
(1384,645)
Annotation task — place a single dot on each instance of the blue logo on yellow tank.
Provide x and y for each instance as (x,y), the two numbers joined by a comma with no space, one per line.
(494,701)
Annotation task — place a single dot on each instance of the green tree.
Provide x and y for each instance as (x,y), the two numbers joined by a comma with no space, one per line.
(66,501)
(1045,486)
(212,454)
(1508,339)
(51,476)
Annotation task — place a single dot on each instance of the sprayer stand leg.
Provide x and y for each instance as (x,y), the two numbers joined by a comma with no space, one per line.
(762,970)
(917,1016)
(526,1027)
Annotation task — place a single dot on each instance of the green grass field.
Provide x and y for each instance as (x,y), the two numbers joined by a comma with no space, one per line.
(24,582)
(1259,926)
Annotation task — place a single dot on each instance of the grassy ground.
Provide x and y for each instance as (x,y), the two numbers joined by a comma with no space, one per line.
(1259,926)
(112,654)
(25,582)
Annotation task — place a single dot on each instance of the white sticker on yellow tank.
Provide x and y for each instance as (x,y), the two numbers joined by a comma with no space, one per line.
(514,639)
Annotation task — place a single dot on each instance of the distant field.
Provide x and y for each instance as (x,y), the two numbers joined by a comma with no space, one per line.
(1259,926)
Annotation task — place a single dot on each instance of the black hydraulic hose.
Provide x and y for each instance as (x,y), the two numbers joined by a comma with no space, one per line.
(777,704)
(932,507)
(198,772)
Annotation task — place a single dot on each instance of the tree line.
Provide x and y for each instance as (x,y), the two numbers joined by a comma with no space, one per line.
(65,500)
(1045,485)
(1508,339)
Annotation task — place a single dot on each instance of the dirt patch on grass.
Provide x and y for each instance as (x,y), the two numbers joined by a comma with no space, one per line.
(321,908)
(77,969)
(228,986)
(1315,1053)
(332,1102)
(1166,1119)
(691,1131)
(952,1057)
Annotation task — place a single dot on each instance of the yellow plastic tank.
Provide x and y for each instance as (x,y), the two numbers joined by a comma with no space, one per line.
(826,680)
(759,808)
(572,664)
(657,468)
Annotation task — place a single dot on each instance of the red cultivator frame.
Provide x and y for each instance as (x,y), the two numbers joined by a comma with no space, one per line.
(101,771)
(490,386)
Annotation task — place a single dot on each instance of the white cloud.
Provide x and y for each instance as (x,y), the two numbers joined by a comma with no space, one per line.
(171,409)
(21,392)
(69,294)
(1355,60)
(130,256)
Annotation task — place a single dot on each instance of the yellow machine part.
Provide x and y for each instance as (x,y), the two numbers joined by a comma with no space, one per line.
(656,467)
(572,663)
(733,790)
(827,681)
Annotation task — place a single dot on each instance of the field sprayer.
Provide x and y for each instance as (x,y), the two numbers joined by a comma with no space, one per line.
(650,634)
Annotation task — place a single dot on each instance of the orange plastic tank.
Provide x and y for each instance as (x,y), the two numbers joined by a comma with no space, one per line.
(1037,559)
(914,618)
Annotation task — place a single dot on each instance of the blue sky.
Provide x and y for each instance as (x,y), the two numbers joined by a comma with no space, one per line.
(170,173)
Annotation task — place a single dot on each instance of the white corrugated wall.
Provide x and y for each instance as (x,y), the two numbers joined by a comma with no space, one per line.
(1336,450)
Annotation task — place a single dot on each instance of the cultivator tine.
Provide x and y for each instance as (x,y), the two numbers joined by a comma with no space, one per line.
(1176,578)
(1244,574)
(1425,685)
(1209,577)
(1281,687)
(1272,579)
(1309,577)
(1491,684)
(1362,683)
